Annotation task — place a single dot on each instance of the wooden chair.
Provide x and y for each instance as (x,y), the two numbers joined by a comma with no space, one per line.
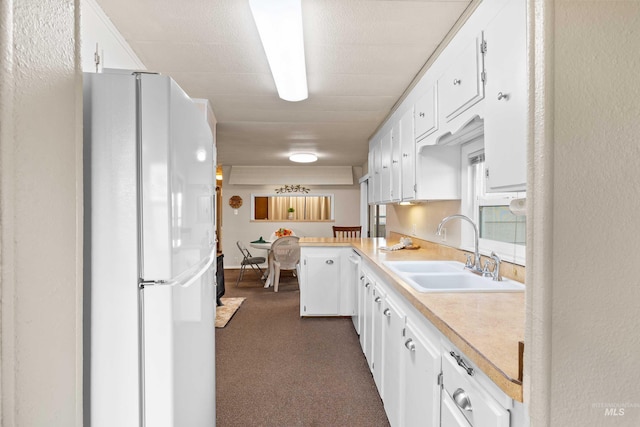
(347,231)
(286,256)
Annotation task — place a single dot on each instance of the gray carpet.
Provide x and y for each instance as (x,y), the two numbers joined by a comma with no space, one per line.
(275,369)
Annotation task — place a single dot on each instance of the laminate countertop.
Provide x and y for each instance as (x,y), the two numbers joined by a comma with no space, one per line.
(486,327)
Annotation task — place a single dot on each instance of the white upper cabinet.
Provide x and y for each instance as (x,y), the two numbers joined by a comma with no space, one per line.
(461,86)
(478,84)
(376,172)
(385,170)
(408,156)
(396,166)
(426,113)
(506,123)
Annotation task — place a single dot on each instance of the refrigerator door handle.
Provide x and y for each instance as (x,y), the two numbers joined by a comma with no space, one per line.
(187,277)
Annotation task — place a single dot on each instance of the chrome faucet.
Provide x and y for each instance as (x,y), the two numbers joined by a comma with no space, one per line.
(496,268)
(476,267)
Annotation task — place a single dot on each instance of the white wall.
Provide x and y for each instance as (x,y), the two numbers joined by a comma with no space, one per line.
(583,325)
(41,213)
(114,51)
(426,216)
(239,227)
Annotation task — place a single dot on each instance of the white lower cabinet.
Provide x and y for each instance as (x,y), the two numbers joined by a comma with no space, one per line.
(392,352)
(473,395)
(422,378)
(325,282)
(378,336)
(421,394)
(420,382)
(367,303)
(451,416)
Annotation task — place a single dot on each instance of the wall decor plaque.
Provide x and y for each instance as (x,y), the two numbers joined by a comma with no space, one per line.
(235,202)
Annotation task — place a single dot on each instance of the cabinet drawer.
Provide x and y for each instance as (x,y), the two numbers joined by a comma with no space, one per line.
(461,86)
(481,408)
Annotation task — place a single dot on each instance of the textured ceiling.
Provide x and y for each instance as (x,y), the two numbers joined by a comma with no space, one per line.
(361,55)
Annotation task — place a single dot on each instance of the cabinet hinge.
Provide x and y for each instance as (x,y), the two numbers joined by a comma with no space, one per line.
(483,46)
(440,379)
(305,308)
(486,173)
(404,332)
(415,187)
(305,262)
(483,76)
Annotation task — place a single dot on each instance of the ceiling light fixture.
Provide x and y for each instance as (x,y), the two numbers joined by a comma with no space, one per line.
(279,24)
(303,158)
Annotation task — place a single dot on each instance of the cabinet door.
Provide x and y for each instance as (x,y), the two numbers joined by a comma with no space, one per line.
(505,124)
(396,169)
(461,86)
(385,171)
(368,320)
(426,113)
(408,153)
(378,337)
(320,286)
(451,415)
(421,403)
(393,323)
(377,171)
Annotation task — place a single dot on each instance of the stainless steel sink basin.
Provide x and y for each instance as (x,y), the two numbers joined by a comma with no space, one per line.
(448,276)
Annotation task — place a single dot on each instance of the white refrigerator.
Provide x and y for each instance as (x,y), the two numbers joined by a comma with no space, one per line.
(149,340)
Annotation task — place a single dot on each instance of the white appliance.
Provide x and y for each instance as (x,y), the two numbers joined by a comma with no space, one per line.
(149,254)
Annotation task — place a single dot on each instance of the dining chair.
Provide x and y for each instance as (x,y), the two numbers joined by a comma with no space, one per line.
(286,256)
(351,231)
(250,260)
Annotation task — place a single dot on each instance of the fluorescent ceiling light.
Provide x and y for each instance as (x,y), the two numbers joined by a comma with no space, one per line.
(279,24)
(303,158)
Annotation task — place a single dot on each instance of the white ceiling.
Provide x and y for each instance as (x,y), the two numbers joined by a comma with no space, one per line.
(361,56)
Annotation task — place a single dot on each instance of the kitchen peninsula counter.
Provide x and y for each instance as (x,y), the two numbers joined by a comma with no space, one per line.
(486,327)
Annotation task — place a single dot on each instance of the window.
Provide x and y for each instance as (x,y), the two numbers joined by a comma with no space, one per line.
(500,230)
(307,207)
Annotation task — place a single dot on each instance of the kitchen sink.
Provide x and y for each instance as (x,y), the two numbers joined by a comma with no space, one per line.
(448,276)
(425,266)
(460,282)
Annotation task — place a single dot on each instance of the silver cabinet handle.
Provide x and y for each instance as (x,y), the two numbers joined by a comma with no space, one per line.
(421,114)
(329,261)
(502,96)
(462,363)
(405,154)
(456,82)
(411,346)
(387,312)
(367,285)
(361,277)
(462,400)
(394,161)
(378,300)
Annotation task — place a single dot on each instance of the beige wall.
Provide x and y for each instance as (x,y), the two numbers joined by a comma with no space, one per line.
(426,216)
(239,227)
(583,321)
(41,213)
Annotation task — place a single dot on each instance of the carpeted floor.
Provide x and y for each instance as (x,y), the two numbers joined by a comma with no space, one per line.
(275,369)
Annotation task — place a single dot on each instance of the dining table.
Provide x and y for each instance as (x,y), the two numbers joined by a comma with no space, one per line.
(266,245)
